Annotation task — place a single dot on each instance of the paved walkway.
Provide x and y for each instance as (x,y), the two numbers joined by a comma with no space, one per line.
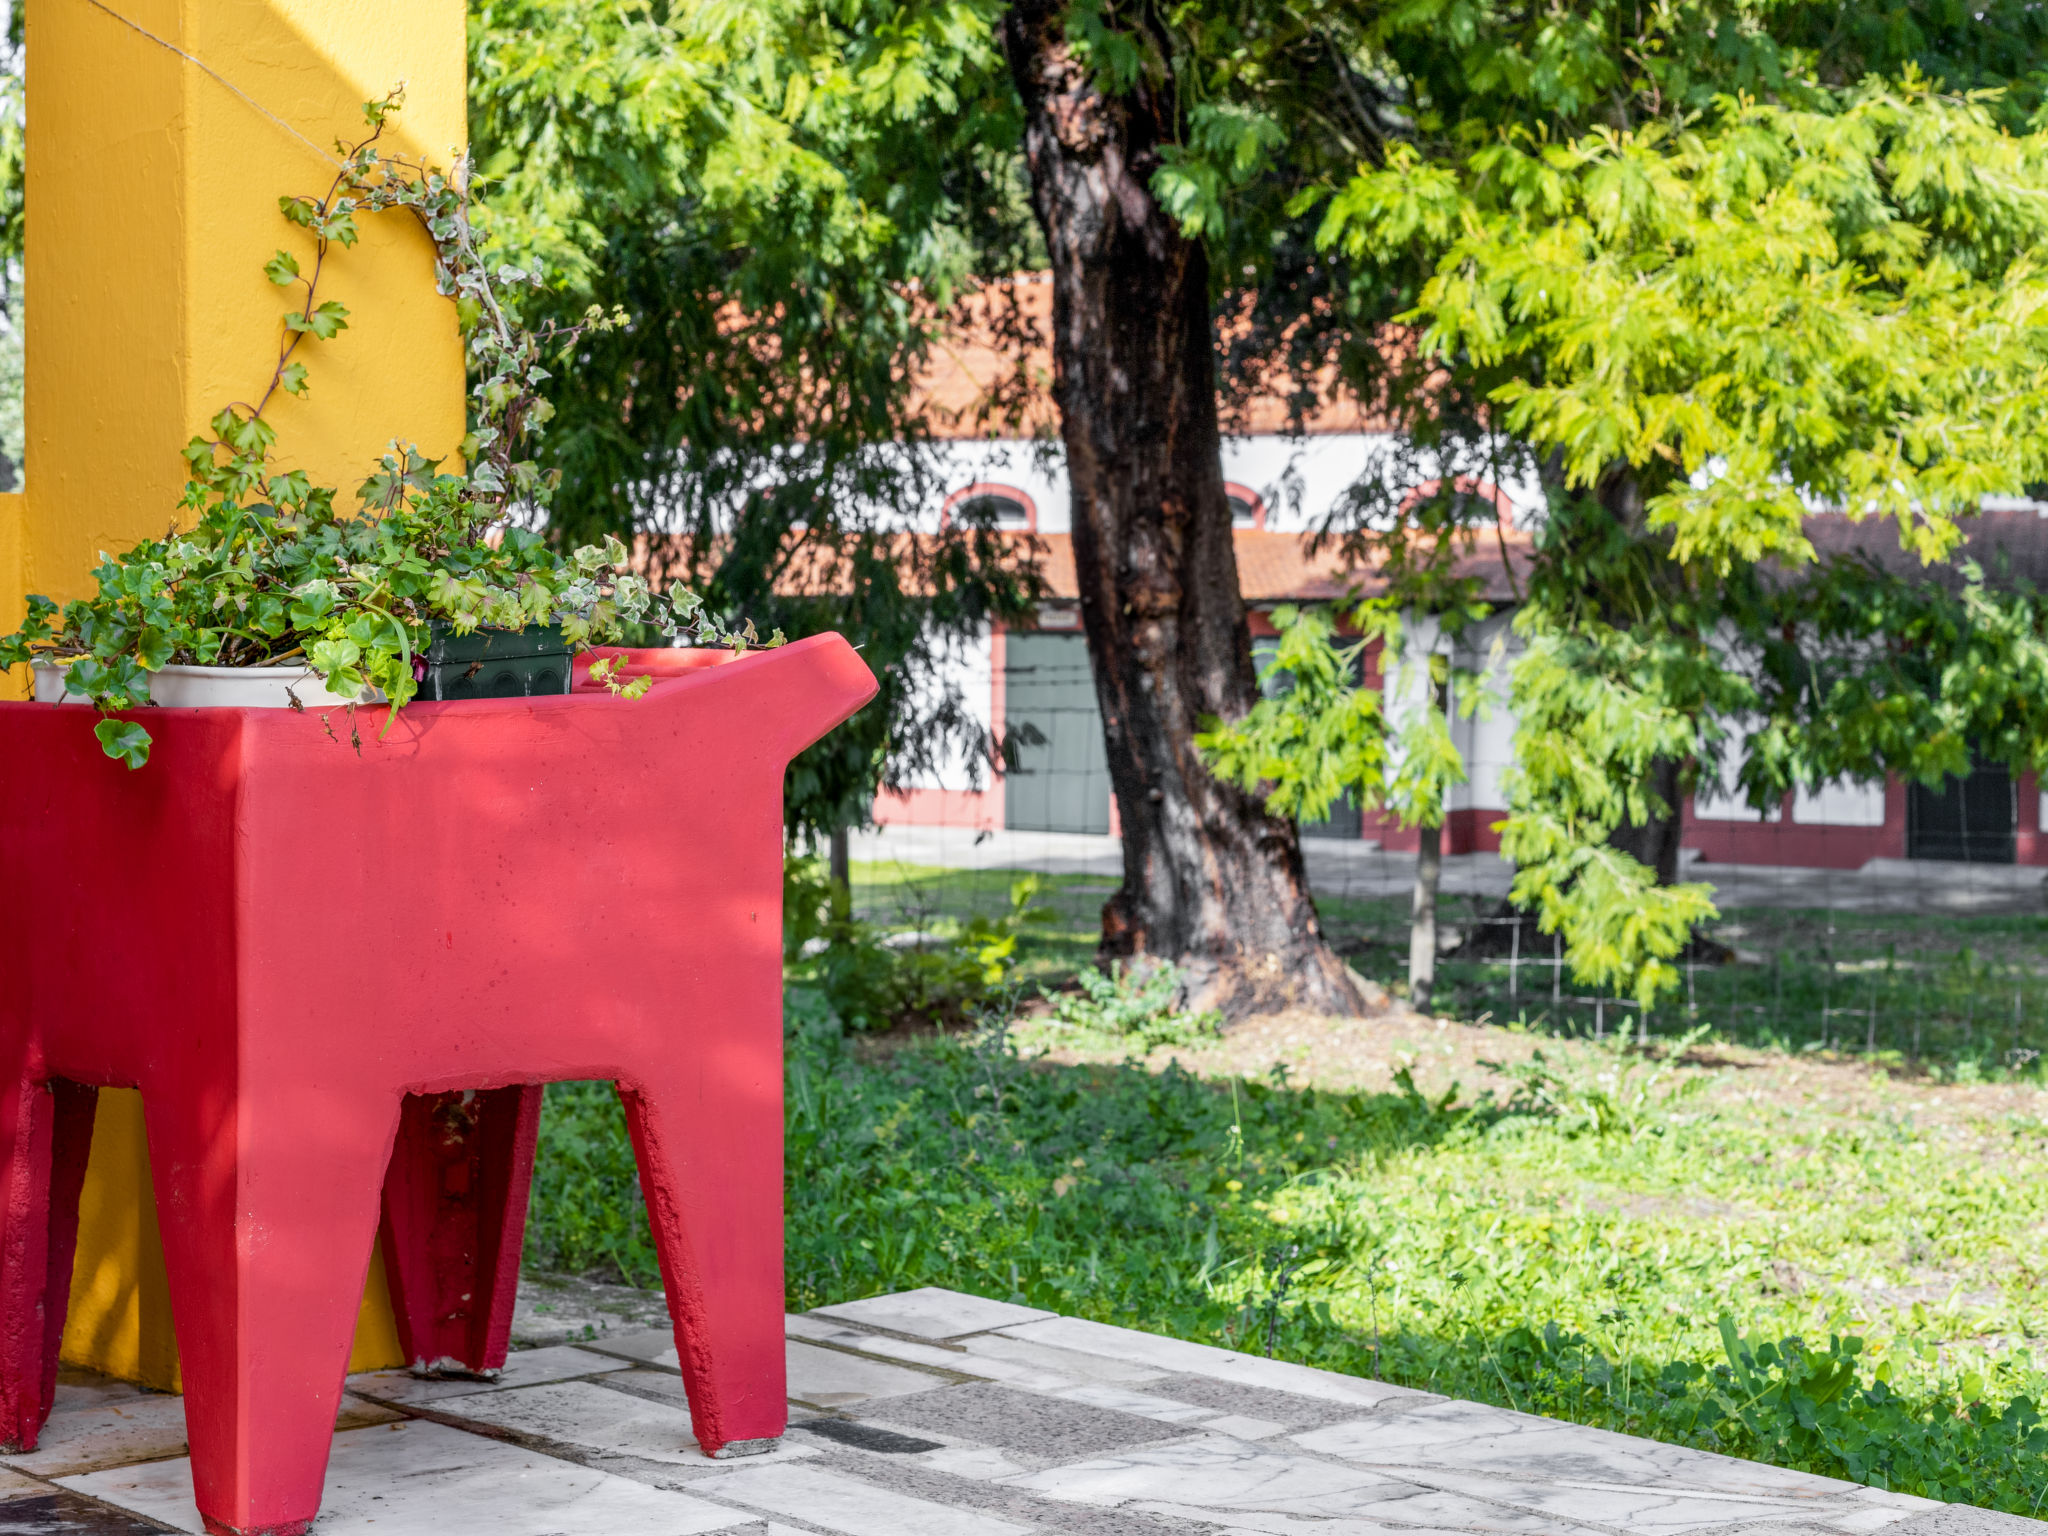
(933,1413)
(1364,869)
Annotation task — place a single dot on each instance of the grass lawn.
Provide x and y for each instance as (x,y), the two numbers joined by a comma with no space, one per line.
(904,898)
(1964,997)
(1961,997)
(1604,1236)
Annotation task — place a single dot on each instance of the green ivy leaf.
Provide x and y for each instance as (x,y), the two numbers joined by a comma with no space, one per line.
(124,741)
(155,649)
(291,378)
(329,657)
(325,322)
(282,269)
(312,603)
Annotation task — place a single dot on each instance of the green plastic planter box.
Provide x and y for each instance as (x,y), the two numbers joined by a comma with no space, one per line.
(495,663)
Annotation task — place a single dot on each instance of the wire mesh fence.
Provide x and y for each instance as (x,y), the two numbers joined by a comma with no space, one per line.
(1903,923)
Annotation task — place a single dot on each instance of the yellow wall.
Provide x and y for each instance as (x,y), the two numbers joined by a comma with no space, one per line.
(120,1317)
(153,183)
(13,510)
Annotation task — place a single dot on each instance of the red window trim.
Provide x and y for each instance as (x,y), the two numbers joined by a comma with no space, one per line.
(1232,488)
(990,488)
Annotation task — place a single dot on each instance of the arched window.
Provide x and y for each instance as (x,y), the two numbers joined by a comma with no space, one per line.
(1247,506)
(1002,507)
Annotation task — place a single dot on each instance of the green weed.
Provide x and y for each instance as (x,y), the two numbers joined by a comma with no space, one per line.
(872,979)
(1125,1007)
(1657,1277)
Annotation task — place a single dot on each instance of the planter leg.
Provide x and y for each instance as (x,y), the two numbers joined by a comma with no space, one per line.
(710,1157)
(270,1208)
(454,1220)
(45,1139)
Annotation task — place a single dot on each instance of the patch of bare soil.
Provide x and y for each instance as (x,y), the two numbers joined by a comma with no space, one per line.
(1308,1050)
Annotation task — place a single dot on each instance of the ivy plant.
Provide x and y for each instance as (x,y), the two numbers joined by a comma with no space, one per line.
(269,570)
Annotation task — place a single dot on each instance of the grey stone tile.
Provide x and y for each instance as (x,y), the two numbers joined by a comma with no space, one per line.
(1656,1510)
(874,1438)
(1169,1411)
(1865,1519)
(569,1309)
(880,1451)
(1022,1421)
(361,1413)
(951,1358)
(1475,1437)
(1290,1409)
(102,1426)
(926,1477)
(523,1368)
(1911,1502)
(1054,1361)
(1258,1523)
(595,1423)
(977,1463)
(831,1378)
(824,1378)
(1097,1394)
(1965,1520)
(1238,1427)
(667,1387)
(932,1313)
(837,1502)
(104,1423)
(47,1511)
(649,1346)
(415,1478)
(803,1325)
(1179,1355)
(1216,1473)
(655,1386)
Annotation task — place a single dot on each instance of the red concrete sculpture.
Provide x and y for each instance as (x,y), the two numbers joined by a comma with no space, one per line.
(306,940)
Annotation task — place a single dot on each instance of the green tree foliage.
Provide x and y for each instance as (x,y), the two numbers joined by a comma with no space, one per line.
(1681,262)
(1700,287)
(1743,315)
(786,198)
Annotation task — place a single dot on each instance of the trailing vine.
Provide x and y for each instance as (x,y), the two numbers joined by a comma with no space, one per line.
(270,572)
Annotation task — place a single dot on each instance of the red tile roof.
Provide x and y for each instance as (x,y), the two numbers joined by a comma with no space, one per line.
(991,375)
(1287,568)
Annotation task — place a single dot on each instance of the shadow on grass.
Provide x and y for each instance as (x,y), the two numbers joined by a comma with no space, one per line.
(1133,1197)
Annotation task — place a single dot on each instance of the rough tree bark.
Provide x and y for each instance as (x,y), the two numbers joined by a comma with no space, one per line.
(1429,868)
(839,872)
(1211,882)
(1653,843)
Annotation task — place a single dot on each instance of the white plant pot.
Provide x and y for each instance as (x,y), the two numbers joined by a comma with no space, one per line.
(179,687)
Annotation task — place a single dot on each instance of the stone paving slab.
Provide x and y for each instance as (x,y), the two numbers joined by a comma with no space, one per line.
(932,1313)
(932,1413)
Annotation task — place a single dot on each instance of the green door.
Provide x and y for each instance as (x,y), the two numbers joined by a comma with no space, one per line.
(1061,781)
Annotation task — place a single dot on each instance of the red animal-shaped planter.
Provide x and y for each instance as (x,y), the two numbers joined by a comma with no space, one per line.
(304,951)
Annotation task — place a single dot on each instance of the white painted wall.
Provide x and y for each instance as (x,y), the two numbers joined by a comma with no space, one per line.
(966,664)
(1723,800)
(1487,736)
(1300,479)
(1840,804)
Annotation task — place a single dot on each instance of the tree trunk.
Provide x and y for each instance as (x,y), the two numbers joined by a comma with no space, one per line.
(1654,843)
(1429,868)
(1211,882)
(839,871)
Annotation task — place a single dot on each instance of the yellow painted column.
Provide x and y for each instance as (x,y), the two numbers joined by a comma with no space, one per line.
(161,134)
